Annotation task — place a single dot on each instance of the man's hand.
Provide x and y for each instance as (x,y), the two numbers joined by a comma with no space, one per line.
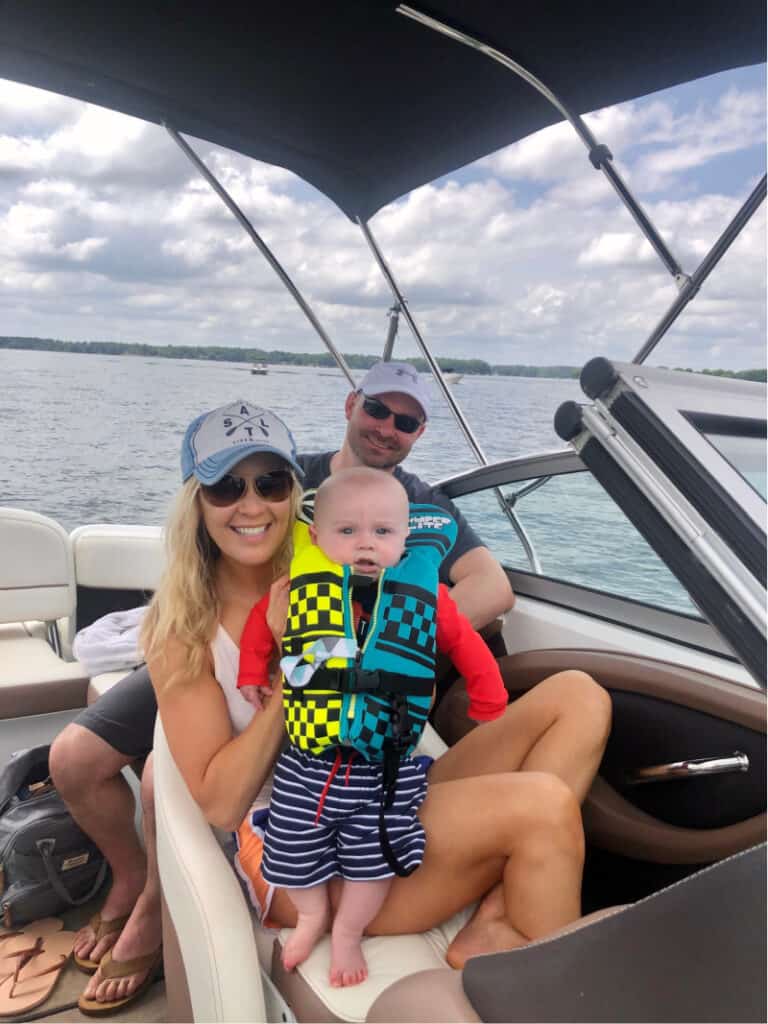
(480,589)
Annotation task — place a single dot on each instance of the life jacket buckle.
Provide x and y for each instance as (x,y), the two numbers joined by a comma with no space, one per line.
(360,679)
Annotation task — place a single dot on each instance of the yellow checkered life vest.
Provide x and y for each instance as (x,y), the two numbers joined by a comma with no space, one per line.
(319,606)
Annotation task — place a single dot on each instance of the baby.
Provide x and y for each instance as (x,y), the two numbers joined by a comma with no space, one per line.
(366,615)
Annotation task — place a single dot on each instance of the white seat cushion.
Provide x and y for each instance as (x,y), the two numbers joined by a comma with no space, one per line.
(389,958)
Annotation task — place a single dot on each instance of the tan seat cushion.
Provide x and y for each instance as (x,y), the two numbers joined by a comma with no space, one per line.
(34,679)
(105,681)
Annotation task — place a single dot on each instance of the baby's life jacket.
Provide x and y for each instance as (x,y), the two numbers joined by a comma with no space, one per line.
(374,697)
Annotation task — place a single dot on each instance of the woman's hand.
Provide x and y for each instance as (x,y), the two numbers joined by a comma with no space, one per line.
(277,613)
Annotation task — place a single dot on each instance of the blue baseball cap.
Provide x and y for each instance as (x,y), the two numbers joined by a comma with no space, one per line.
(219,439)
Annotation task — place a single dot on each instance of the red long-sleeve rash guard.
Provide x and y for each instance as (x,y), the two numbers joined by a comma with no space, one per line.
(455,637)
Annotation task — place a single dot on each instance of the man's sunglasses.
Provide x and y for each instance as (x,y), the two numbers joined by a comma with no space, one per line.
(378,411)
(274,486)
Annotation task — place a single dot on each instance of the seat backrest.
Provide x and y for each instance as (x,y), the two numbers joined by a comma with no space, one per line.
(116,568)
(206,906)
(37,572)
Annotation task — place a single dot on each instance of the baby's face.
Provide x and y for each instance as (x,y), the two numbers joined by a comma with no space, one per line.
(364,529)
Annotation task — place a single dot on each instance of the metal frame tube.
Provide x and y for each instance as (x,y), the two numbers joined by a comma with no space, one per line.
(263,248)
(705,268)
(436,371)
(394,323)
(600,156)
(458,415)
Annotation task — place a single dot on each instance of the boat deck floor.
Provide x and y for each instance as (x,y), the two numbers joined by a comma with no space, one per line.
(61,1006)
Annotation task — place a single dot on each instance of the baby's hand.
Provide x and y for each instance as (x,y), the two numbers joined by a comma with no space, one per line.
(257,695)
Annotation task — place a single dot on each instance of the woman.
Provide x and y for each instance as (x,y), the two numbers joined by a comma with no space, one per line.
(502,812)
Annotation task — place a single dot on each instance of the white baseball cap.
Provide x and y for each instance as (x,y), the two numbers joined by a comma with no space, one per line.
(396,378)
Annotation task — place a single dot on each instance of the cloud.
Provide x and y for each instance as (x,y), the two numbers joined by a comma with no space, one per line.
(528,256)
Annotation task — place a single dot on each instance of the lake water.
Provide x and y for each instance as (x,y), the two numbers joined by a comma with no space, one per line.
(95,439)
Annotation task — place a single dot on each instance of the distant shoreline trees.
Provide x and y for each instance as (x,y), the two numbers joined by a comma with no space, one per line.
(277,357)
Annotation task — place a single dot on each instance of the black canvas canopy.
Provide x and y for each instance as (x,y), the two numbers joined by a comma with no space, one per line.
(358,100)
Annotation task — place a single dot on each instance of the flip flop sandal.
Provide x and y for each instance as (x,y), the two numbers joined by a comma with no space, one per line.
(111,969)
(43,926)
(31,942)
(35,974)
(101,929)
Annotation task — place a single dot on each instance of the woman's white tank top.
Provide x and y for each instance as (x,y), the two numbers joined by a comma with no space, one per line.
(226,661)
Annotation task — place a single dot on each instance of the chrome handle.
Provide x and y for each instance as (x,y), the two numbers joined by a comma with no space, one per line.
(736,762)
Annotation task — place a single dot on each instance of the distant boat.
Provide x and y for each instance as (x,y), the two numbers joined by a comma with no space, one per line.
(451,376)
(261,368)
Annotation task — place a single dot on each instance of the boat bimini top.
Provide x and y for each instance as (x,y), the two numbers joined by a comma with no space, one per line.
(355,96)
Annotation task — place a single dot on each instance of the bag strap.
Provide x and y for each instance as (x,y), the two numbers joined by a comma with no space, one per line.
(45,848)
(25,763)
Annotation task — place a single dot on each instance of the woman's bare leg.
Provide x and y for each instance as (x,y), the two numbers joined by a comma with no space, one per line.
(87,772)
(523,829)
(142,933)
(559,726)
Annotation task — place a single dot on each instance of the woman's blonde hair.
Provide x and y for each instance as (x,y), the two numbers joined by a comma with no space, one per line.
(185,604)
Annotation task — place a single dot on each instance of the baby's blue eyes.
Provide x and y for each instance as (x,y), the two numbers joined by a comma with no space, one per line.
(347,531)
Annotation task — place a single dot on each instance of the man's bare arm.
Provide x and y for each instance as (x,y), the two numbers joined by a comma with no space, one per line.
(480,589)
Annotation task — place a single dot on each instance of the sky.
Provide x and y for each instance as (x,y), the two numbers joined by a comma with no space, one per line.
(526,256)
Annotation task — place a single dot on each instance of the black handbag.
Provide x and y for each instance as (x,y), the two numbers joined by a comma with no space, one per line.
(47,863)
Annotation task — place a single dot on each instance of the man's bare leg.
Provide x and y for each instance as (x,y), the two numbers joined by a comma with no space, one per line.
(360,903)
(313,908)
(142,934)
(87,772)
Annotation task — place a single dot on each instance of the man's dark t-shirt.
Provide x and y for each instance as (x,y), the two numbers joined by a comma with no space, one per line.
(318,466)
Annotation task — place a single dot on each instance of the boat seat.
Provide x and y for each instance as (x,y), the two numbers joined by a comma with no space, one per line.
(37,590)
(211,941)
(211,938)
(116,568)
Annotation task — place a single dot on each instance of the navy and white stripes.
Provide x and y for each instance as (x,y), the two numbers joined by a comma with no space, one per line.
(312,836)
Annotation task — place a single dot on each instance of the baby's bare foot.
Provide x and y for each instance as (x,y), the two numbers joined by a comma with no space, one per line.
(309,929)
(348,966)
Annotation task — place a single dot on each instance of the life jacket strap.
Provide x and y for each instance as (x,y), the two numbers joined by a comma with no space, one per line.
(357,680)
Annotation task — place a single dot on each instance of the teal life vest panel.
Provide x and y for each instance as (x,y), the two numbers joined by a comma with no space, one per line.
(376,696)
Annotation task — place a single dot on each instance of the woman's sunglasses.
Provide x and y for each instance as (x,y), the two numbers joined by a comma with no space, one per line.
(274,486)
(378,411)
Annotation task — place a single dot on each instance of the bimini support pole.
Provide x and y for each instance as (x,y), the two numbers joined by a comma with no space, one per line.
(394,322)
(436,371)
(263,249)
(599,155)
(458,415)
(705,268)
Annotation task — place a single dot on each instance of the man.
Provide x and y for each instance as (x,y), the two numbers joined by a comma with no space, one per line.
(386,415)
(385,418)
